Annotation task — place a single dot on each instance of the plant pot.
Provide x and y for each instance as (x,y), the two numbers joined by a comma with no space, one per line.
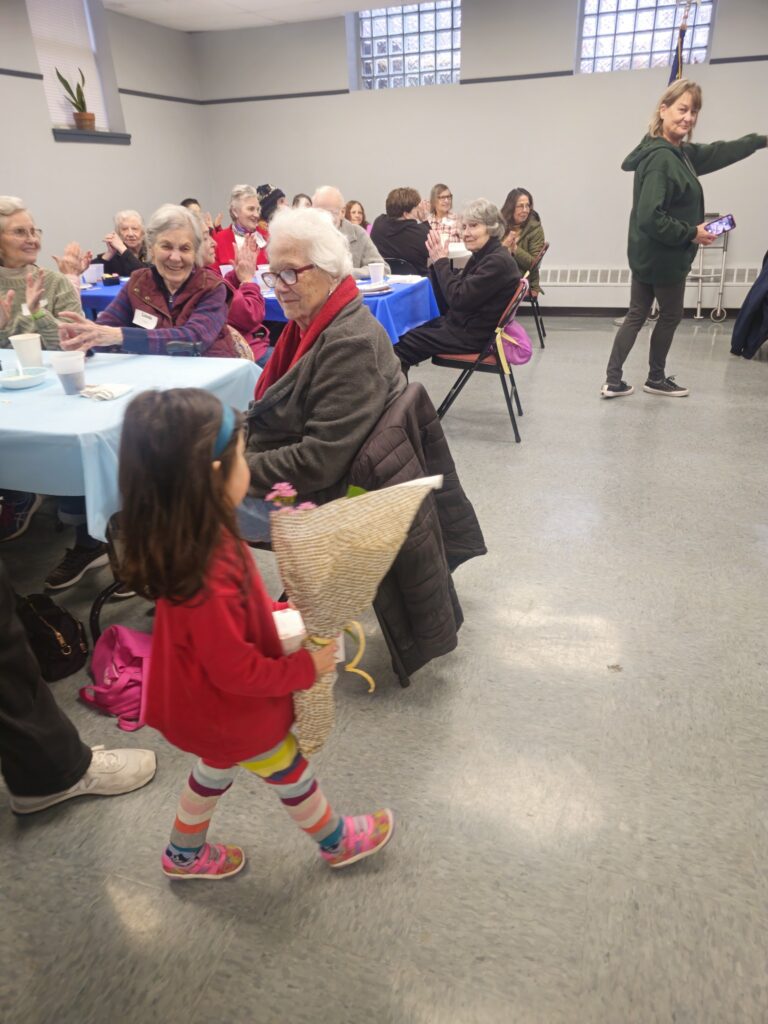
(85,121)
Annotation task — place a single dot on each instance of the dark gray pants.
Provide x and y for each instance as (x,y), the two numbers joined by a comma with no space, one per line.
(670,299)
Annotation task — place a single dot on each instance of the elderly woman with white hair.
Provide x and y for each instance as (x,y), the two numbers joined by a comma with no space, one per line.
(332,374)
(246,227)
(174,306)
(474,297)
(126,246)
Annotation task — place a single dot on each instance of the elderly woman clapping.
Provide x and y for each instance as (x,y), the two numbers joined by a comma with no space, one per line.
(331,376)
(126,246)
(174,305)
(245,211)
(30,298)
(474,297)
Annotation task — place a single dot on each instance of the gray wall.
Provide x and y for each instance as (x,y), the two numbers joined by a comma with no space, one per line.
(563,138)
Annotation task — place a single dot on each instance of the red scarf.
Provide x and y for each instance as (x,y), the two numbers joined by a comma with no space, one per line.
(292,344)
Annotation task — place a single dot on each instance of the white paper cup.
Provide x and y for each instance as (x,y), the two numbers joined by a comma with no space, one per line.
(70,369)
(28,349)
(93,273)
(376,272)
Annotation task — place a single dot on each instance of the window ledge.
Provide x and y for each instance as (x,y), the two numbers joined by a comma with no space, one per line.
(95,137)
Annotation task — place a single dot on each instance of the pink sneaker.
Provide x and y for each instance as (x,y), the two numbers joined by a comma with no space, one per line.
(217,860)
(363,835)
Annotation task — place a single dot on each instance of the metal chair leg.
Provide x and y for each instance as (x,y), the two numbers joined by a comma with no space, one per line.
(455,391)
(510,410)
(515,392)
(537,319)
(93,620)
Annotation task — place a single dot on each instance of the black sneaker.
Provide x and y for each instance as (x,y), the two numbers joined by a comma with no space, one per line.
(666,386)
(75,564)
(616,390)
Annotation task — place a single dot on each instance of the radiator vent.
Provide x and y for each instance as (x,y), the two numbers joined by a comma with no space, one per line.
(590,277)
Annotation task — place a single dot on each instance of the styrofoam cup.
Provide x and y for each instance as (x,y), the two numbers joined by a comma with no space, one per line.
(70,369)
(376,272)
(28,349)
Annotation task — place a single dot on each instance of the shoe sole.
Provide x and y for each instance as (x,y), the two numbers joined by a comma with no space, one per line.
(202,877)
(665,394)
(97,563)
(35,506)
(61,798)
(369,853)
(617,394)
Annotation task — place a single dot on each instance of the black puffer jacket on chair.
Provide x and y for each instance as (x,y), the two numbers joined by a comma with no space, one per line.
(416,603)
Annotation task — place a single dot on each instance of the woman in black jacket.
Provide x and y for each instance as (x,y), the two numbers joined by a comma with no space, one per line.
(474,297)
(126,246)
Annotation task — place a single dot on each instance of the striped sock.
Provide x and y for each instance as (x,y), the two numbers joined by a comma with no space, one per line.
(196,806)
(286,768)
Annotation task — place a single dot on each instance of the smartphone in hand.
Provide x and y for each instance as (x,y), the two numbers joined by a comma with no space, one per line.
(717,227)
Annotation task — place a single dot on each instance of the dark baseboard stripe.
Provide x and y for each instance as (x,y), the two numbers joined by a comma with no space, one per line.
(21,74)
(516,78)
(159,96)
(739,60)
(276,96)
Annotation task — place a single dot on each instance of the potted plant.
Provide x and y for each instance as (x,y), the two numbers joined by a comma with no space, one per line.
(84,120)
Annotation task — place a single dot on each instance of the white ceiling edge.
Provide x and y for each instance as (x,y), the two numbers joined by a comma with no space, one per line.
(226,15)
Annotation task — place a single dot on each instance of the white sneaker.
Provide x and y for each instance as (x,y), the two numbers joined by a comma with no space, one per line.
(111,772)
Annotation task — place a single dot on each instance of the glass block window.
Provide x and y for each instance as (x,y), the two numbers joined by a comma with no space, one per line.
(416,44)
(620,35)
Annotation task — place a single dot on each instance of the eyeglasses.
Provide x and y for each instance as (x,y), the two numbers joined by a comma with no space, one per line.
(446,195)
(288,276)
(21,233)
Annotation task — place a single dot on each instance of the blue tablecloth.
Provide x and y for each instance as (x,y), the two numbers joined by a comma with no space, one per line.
(409,304)
(61,444)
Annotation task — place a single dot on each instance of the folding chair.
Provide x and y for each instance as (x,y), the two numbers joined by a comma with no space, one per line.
(534,301)
(490,360)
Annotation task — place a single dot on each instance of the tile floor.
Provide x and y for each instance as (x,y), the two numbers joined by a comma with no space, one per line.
(580,787)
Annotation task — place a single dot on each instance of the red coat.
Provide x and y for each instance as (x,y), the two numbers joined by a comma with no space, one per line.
(246,310)
(219,685)
(225,247)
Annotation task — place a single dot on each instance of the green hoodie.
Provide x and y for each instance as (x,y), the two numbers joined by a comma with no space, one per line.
(668,203)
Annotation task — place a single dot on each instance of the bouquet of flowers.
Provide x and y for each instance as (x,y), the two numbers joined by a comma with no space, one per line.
(331,561)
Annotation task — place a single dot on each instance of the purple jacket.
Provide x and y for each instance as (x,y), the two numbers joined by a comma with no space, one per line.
(197,312)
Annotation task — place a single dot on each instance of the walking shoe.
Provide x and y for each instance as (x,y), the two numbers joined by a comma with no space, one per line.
(616,390)
(214,861)
(363,835)
(110,773)
(666,386)
(16,514)
(75,564)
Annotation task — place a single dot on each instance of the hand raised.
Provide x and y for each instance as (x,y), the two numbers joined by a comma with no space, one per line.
(73,260)
(245,261)
(115,245)
(35,288)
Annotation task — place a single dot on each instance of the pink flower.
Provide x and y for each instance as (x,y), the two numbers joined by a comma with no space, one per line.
(306,506)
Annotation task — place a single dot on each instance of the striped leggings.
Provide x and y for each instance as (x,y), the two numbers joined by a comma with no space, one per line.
(285,768)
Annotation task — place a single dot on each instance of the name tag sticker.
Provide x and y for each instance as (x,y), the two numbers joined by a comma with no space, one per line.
(143,319)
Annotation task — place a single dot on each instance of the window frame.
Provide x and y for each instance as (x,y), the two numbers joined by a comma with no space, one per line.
(360,78)
(640,6)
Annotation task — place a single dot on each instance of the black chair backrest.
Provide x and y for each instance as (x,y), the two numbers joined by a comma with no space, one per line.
(514,303)
(398,266)
(539,258)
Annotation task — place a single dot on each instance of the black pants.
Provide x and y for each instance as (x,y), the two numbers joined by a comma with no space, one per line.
(670,299)
(432,338)
(40,749)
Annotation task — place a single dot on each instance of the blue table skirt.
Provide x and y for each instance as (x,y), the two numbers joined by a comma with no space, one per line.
(408,305)
(61,444)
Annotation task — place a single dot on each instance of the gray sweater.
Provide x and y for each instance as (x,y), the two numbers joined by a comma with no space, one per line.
(60,295)
(362,249)
(308,426)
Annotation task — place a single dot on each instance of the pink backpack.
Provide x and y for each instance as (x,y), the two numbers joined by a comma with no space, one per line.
(120,667)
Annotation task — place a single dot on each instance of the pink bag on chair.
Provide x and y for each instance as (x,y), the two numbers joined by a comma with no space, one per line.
(120,667)
(517,344)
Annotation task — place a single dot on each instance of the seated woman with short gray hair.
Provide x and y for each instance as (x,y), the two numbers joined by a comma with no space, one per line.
(126,246)
(474,297)
(332,374)
(176,304)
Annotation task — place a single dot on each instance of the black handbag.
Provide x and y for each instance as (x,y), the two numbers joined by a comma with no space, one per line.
(56,637)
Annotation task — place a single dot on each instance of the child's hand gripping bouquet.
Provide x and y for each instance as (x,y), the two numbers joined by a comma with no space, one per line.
(331,561)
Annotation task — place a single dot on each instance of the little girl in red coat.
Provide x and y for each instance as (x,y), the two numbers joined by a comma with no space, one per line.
(219,684)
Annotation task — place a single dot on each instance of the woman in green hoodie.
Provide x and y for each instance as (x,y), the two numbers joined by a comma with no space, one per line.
(666,227)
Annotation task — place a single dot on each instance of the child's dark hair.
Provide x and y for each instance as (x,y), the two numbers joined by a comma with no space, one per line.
(174,503)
